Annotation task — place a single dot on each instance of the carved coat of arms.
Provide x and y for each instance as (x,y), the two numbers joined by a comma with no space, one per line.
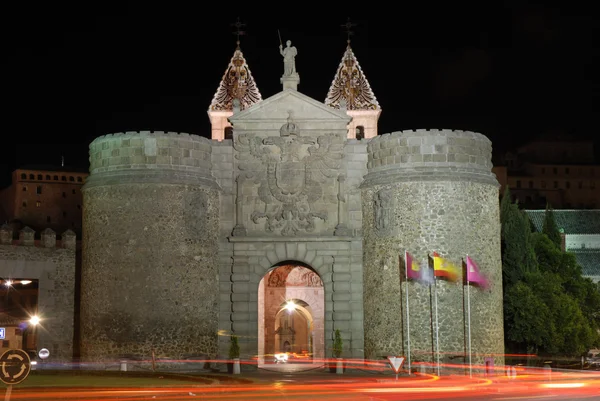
(290,170)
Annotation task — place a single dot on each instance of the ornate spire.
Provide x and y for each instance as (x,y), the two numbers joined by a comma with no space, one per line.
(237,82)
(350,83)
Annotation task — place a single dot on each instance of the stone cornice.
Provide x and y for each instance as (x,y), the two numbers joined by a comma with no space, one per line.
(293,239)
(387,177)
(150,176)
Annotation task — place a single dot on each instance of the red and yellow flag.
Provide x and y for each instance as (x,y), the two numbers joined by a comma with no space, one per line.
(443,268)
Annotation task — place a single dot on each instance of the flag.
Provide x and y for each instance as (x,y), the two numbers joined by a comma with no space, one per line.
(444,268)
(474,276)
(415,271)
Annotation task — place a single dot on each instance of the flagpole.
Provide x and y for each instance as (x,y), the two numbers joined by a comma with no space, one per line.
(407,315)
(431,310)
(464,272)
(401,307)
(469,317)
(437,337)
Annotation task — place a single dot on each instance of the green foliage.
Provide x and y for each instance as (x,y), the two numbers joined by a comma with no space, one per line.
(518,256)
(338,344)
(528,325)
(550,228)
(234,347)
(549,308)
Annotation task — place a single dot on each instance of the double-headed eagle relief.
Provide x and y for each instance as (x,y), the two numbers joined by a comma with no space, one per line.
(291,171)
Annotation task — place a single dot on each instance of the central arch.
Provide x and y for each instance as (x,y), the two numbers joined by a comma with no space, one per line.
(291,314)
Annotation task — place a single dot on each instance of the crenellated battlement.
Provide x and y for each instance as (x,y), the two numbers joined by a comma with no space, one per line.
(134,134)
(48,238)
(150,150)
(433,148)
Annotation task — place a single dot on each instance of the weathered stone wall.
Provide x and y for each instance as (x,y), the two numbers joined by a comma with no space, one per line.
(430,191)
(52,263)
(151,227)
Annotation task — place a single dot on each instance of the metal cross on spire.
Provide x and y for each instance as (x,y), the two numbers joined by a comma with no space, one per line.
(238,30)
(348,27)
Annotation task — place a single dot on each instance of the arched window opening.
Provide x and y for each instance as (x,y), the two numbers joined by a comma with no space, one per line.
(229,133)
(360,132)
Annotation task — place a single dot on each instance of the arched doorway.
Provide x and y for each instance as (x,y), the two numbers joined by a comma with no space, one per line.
(291,314)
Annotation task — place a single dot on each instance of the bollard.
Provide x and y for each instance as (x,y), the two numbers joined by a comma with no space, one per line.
(548,371)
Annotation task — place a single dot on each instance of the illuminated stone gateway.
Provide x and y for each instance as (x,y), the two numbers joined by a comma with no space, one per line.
(186,238)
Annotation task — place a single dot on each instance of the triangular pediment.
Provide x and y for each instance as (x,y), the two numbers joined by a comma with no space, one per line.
(279,106)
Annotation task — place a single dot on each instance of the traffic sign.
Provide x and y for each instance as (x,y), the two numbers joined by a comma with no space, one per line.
(15,366)
(396,362)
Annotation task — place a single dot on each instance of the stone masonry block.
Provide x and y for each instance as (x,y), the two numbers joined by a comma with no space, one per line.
(301,251)
(342,325)
(235,297)
(240,287)
(240,327)
(337,277)
(341,296)
(290,251)
(341,286)
(240,277)
(280,251)
(240,306)
(272,257)
(241,316)
(342,316)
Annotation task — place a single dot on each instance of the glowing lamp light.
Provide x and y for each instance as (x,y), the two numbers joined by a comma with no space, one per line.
(8,283)
(290,306)
(25,282)
(34,320)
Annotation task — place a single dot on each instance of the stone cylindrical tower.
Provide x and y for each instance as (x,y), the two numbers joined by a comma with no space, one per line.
(150,227)
(431,191)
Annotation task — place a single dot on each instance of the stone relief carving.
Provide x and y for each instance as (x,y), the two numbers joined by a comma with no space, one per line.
(290,170)
(294,276)
(383,203)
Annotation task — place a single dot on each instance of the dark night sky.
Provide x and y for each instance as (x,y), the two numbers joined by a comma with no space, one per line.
(512,71)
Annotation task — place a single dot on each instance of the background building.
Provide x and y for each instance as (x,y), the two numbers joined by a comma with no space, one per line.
(581,236)
(43,197)
(558,171)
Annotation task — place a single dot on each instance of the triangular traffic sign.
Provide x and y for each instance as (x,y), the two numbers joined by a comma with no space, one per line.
(396,362)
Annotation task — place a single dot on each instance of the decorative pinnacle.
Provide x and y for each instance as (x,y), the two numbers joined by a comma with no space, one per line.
(238,30)
(347,26)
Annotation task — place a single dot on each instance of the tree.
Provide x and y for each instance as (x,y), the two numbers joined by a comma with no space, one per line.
(550,228)
(518,256)
(234,348)
(528,323)
(548,306)
(338,344)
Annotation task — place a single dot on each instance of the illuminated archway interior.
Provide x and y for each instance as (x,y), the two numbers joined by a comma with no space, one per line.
(291,313)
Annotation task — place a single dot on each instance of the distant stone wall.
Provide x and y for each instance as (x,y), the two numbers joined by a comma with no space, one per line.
(150,248)
(430,191)
(52,263)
